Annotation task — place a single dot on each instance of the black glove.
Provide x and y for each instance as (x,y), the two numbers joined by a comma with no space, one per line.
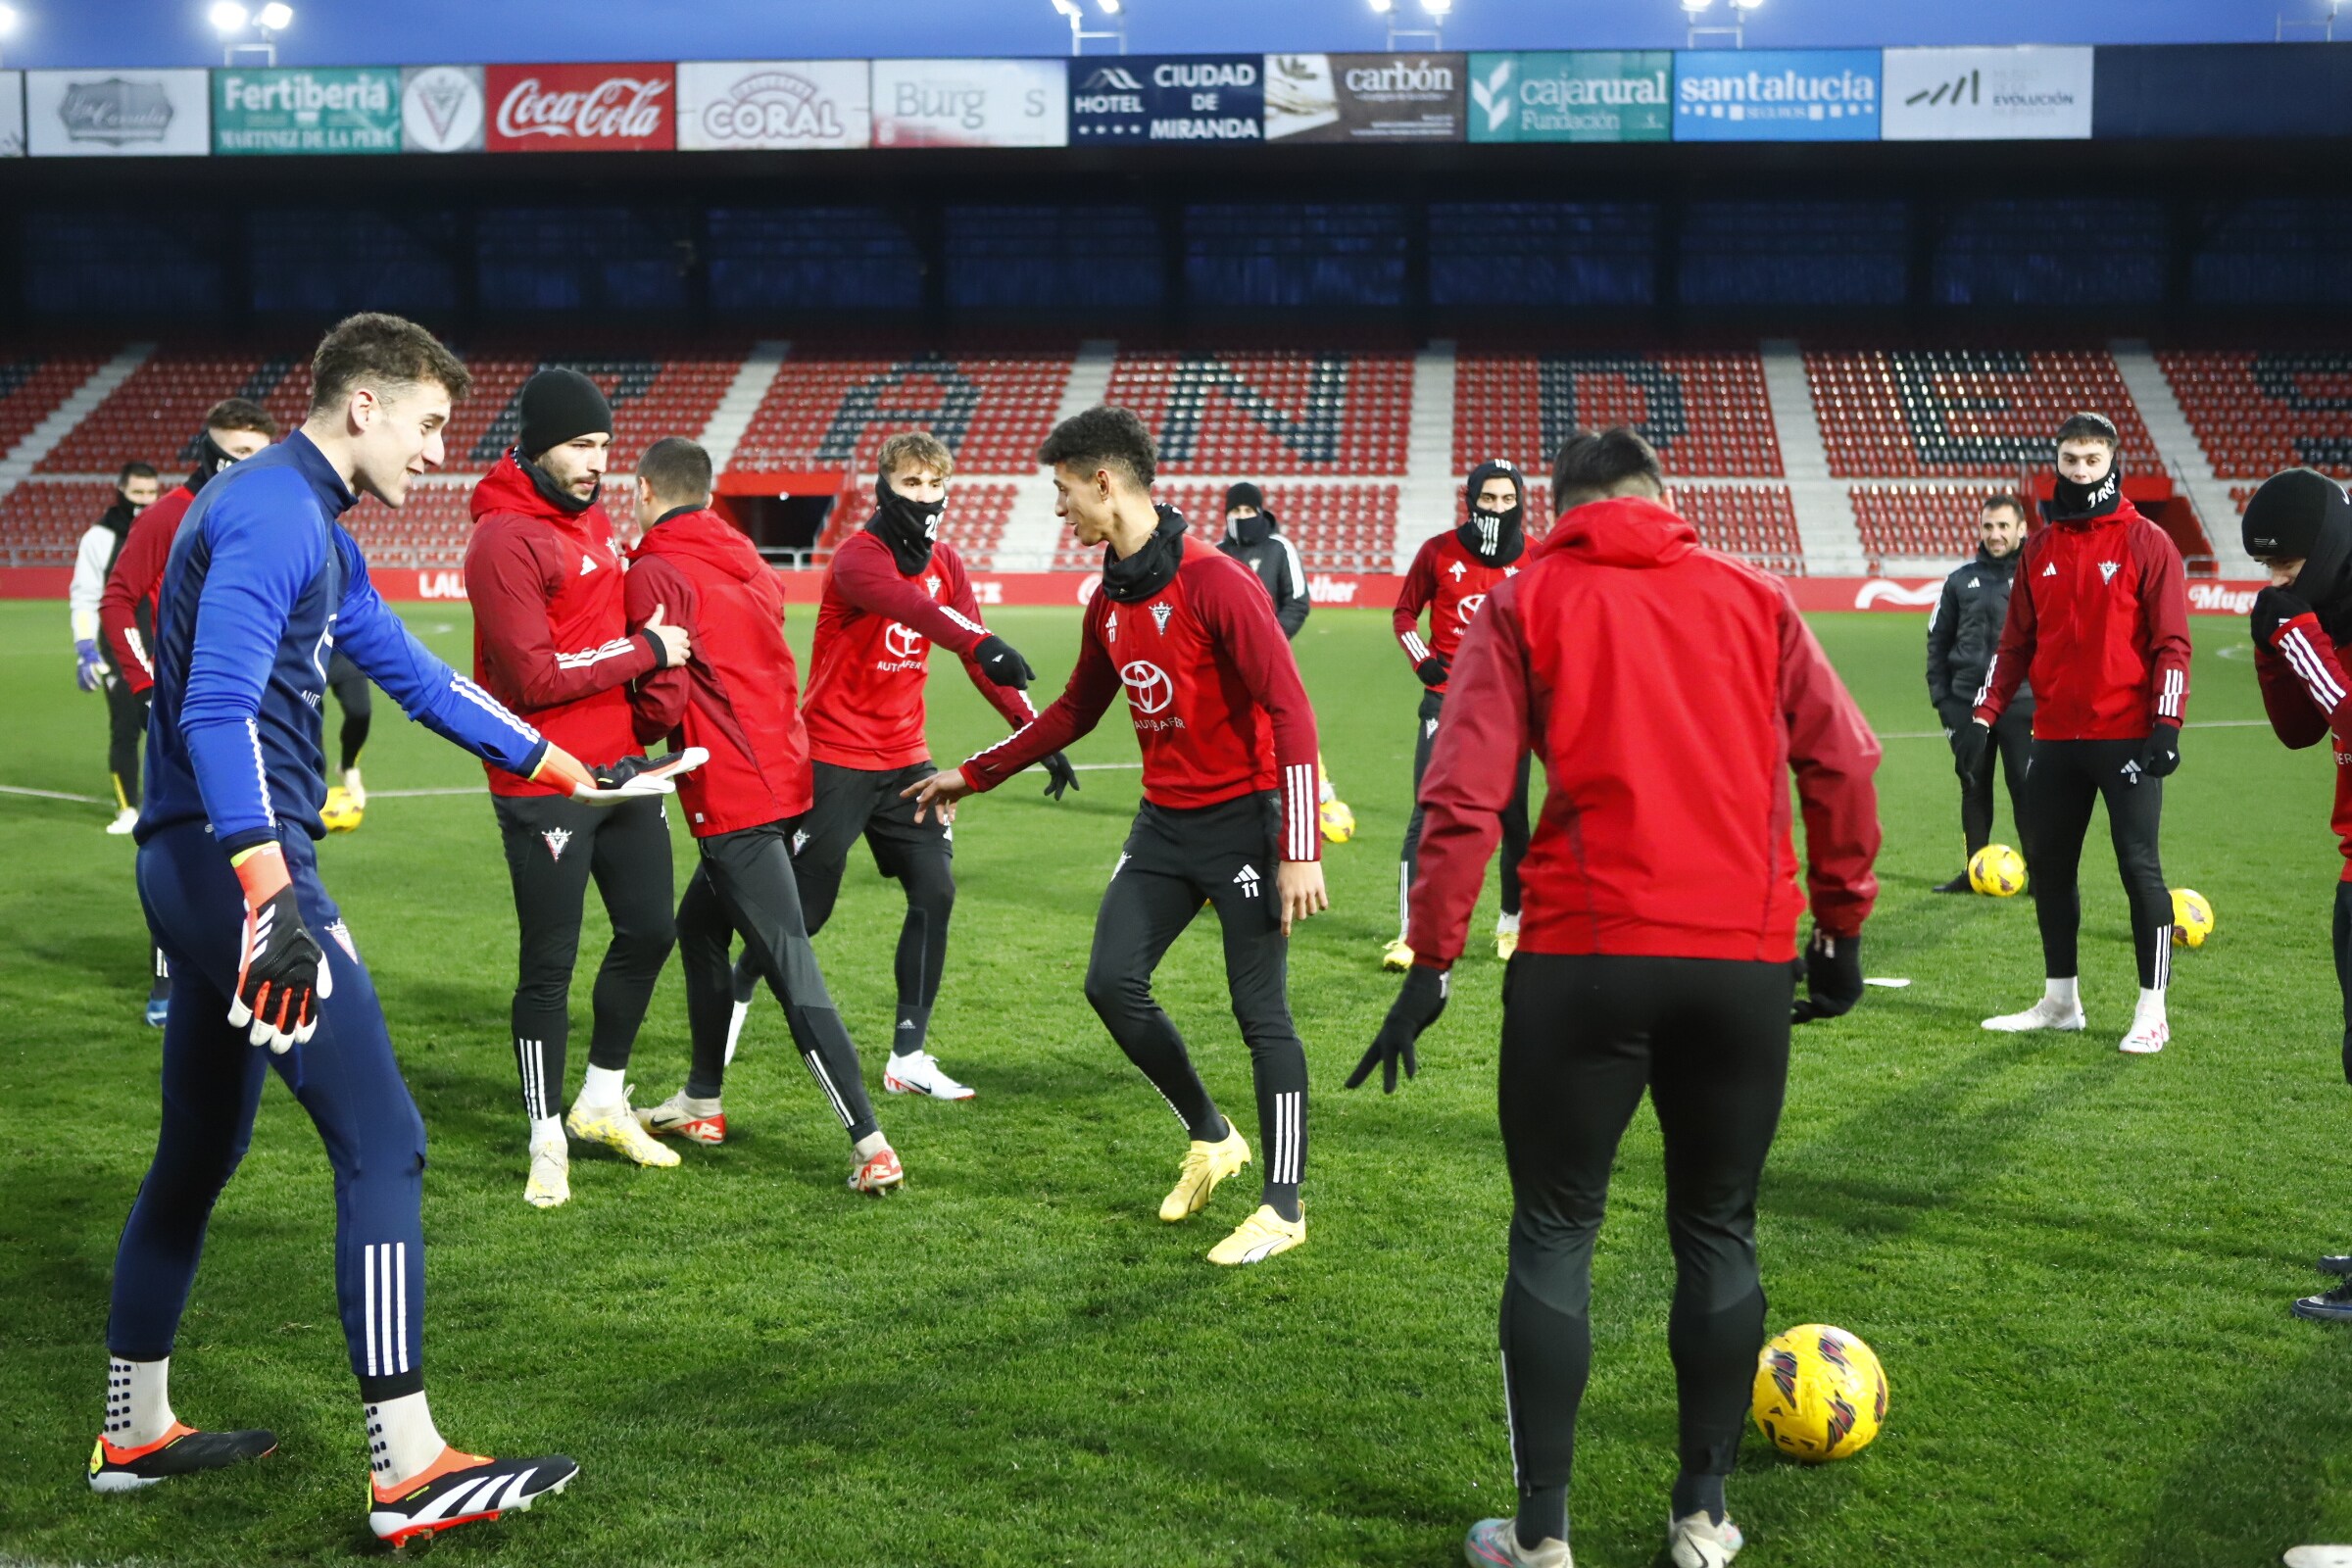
(613,775)
(1432,670)
(2160,753)
(1956,718)
(1003,664)
(1415,1008)
(1833,977)
(1060,774)
(1968,744)
(2274,607)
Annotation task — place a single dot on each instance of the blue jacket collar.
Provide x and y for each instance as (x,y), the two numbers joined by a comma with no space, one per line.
(302,452)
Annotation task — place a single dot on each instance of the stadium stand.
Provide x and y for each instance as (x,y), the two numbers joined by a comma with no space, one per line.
(1917,413)
(1706,414)
(1335,527)
(2257,413)
(974,522)
(1335,412)
(41,520)
(154,415)
(828,412)
(1919,521)
(32,386)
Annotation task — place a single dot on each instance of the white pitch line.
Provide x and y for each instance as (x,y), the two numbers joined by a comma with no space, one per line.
(53,795)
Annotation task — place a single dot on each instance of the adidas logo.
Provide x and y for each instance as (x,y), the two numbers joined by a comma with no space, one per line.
(1972,582)
(1247,880)
(2050,570)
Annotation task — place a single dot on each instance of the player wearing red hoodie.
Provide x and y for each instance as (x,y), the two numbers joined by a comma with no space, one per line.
(1228,789)
(738,697)
(1670,691)
(551,642)
(2098,617)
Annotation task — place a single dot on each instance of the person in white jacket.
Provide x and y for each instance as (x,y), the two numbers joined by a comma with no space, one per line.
(135,490)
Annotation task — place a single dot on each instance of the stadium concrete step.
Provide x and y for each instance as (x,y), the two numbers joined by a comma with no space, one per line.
(43,438)
(736,405)
(1032,534)
(2183,453)
(1425,504)
(1824,515)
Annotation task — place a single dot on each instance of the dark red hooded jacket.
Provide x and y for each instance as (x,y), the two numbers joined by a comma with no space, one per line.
(1669,692)
(126,608)
(739,694)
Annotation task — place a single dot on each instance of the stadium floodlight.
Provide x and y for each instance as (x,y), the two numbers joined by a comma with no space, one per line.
(274,17)
(227,17)
(1437,7)
(1747,5)
(1110,7)
(8,21)
(1698,6)
(1113,30)
(1381,8)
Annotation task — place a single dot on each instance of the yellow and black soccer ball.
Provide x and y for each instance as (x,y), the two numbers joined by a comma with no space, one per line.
(1820,1394)
(2192,917)
(1996,870)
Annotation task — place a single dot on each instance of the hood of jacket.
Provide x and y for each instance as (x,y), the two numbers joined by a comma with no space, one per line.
(509,487)
(1624,532)
(703,536)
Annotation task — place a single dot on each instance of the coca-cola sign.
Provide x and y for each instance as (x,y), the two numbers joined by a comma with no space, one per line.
(580,109)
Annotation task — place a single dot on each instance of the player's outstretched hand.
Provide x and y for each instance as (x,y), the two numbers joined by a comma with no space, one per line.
(1060,774)
(1833,977)
(1433,671)
(1299,886)
(638,776)
(672,645)
(1415,1008)
(938,794)
(1003,663)
(282,971)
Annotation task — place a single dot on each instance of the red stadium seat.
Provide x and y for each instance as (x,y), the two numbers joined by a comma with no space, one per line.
(1920,413)
(2257,413)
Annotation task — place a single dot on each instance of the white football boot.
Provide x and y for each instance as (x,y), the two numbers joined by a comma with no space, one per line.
(2150,1033)
(2046,1013)
(918,1072)
(1696,1542)
(549,1184)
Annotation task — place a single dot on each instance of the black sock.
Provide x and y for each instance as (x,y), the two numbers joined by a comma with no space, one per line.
(1693,1492)
(913,1024)
(1543,1516)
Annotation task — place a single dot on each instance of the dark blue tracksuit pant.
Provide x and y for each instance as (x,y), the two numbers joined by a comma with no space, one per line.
(346,1078)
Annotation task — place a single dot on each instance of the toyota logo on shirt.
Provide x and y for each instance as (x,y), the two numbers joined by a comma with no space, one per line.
(903,642)
(1469,606)
(1148,686)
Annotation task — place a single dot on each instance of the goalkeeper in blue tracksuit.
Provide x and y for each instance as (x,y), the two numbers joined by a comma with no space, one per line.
(263,586)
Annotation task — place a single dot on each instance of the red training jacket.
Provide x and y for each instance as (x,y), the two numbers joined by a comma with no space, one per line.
(550,634)
(738,696)
(875,627)
(1451,583)
(2308,696)
(1219,707)
(2098,619)
(1669,692)
(126,609)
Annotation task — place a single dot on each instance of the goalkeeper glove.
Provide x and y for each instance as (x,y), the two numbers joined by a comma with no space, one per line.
(1833,977)
(282,973)
(1432,670)
(1415,1008)
(2161,753)
(89,670)
(1060,774)
(1003,664)
(638,775)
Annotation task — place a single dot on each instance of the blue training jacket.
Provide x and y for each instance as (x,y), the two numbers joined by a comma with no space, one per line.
(262,586)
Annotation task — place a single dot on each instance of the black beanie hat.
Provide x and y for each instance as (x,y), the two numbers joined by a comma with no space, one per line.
(557,405)
(1245,495)
(2303,514)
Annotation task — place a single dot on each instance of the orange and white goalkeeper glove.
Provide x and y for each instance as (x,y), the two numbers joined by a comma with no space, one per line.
(282,971)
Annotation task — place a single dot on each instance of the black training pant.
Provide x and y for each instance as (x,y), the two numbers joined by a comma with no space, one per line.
(2062,782)
(1175,861)
(350,686)
(745,884)
(126,722)
(1582,1038)
(2012,746)
(853,802)
(554,846)
(2344,964)
(1514,819)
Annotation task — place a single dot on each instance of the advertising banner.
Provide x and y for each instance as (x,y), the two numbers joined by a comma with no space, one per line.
(579,109)
(297,110)
(12,114)
(1987,94)
(971,103)
(118,114)
(1573,95)
(441,109)
(1364,97)
(1776,96)
(1132,99)
(2236,89)
(730,104)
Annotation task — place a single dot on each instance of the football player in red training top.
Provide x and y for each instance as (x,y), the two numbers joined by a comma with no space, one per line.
(1450,577)
(2098,616)
(894,588)
(1229,797)
(2299,526)
(739,699)
(550,641)
(1663,905)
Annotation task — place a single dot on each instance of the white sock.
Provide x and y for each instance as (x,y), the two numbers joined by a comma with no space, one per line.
(2151,1002)
(2062,992)
(138,1401)
(547,1130)
(870,1145)
(401,1440)
(357,790)
(1507,925)
(603,1086)
(698,1107)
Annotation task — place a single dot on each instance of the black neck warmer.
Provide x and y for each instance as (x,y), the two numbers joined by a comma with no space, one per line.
(1151,569)
(1494,537)
(909,527)
(545,483)
(1251,532)
(210,461)
(2071,502)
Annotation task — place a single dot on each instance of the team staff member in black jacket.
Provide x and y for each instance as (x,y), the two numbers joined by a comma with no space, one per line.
(1253,537)
(1962,635)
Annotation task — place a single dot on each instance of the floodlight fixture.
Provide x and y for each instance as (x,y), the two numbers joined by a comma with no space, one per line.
(1112,30)
(1110,7)
(1747,5)
(227,17)
(1437,7)
(1381,8)
(8,21)
(274,17)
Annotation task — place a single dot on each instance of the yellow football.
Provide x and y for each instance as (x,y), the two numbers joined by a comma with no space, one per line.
(1998,870)
(1820,1394)
(2192,917)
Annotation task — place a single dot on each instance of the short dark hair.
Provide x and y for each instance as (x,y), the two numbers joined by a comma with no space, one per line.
(676,469)
(240,413)
(2088,427)
(375,347)
(1592,464)
(2000,499)
(133,471)
(1102,437)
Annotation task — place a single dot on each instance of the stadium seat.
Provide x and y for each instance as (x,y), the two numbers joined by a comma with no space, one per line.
(1919,521)
(1706,414)
(1334,413)
(1919,413)
(2257,413)
(828,410)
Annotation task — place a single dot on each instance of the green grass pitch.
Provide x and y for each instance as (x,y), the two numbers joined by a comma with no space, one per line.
(2074,1264)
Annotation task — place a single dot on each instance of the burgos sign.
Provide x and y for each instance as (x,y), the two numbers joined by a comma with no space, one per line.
(780,104)
(299,110)
(1776,96)
(1987,95)
(1594,95)
(1132,98)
